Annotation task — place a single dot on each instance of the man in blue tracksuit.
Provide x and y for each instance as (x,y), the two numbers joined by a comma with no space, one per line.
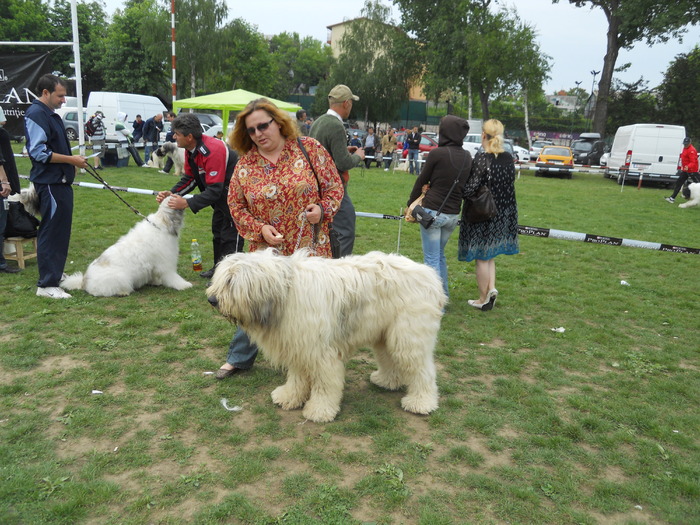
(53,171)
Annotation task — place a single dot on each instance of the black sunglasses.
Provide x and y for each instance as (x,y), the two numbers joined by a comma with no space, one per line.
(260,127)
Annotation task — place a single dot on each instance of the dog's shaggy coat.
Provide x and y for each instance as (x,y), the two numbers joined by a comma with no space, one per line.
(171,151)
(309,314)
(147,254)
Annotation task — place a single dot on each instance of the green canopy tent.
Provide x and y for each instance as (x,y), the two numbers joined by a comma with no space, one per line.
(228,101)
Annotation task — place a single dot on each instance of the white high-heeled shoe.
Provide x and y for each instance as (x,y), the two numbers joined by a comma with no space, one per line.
(476,304)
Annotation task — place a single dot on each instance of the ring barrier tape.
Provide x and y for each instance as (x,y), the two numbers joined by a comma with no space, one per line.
(530,231)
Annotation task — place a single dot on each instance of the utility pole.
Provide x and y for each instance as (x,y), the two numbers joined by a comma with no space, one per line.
(594,73)
(573,113)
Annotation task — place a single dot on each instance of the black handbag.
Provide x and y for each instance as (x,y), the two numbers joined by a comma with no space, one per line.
(333,238)
(425,218)
(422,216)
(480,206)
(20,223)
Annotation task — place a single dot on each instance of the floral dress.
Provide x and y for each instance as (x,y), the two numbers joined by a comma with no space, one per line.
(498,236)
(263,193)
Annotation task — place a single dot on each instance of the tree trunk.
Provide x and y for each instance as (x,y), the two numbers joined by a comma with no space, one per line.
(484,98)
(193,79)
(469,97)
(527,120)
(600,116)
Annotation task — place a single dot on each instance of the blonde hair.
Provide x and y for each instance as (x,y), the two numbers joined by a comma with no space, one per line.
(494,136)
(240,140)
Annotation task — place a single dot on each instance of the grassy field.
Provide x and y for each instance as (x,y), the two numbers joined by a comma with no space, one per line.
(596,424)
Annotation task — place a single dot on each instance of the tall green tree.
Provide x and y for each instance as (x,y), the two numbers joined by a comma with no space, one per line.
(198,25)
(632,21)
(92,31)
(24,20)
(678,93)
(301,63)
(466,45)
(379,63)
(129,63)
(630,102)
(245,62)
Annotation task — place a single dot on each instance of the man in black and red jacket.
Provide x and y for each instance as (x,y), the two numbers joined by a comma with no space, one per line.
(209,164)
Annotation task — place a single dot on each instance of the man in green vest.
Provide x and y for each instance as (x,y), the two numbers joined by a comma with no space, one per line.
(329,130)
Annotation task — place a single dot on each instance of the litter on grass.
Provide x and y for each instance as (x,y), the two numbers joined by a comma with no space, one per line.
(559,330)
(208,373)
(624,283)
(97,392)
(224,403)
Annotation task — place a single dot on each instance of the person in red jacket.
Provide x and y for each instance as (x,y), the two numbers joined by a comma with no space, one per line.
(689,167)
(209,164)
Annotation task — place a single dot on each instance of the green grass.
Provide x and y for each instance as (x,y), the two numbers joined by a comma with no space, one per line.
(597,424)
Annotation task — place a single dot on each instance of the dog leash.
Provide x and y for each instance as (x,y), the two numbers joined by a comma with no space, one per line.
(94,173)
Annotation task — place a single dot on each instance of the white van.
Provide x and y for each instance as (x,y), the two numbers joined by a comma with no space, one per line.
(111,103)
(649,150)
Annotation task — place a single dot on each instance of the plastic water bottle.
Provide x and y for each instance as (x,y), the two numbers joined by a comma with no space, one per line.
(196,256)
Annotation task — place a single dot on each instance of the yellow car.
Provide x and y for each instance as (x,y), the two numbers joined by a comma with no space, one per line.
(555,157)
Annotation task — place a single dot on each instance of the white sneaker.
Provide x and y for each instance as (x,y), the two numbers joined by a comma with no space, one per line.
(53,291)
(386,169)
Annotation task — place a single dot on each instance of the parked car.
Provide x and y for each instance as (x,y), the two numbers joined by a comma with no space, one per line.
(426,145)
(70,121)
(555,157)
(507,146)
(537,147)
(472,143)
(519,154)
(212,131)
(651,149)
(604,158)
(209,119)
(588,153)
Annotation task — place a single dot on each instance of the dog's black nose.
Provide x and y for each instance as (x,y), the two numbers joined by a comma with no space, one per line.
(213,301)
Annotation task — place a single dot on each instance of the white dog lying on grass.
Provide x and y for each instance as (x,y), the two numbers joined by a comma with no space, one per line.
(146,255)
(694,196)
(308,315)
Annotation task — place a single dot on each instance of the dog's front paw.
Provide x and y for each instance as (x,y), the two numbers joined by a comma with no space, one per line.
(320,412)
(419,404)
(285,399)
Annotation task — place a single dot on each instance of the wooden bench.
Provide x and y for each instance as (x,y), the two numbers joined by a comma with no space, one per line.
(20,255)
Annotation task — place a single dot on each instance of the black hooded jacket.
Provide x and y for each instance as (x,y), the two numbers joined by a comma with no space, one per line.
(442,167)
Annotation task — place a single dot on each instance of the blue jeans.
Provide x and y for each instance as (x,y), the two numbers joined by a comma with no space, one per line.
(413,165)
(241,352)
(434,240)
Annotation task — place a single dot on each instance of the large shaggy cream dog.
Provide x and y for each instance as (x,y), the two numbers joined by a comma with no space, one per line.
(146,255)
(308,315)
(694,196)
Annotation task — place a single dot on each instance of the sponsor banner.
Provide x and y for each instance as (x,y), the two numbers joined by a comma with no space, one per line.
(19,73)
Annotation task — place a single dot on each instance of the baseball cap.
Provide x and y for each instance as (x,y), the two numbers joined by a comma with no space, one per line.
(686,141)
(341,93)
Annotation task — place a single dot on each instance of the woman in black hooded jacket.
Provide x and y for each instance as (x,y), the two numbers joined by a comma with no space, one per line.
(446,171)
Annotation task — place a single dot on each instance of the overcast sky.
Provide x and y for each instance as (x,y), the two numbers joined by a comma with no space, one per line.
(573,37)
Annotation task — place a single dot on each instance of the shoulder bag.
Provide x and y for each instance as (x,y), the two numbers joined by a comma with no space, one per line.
(425,218)
(480,206)
(332,234)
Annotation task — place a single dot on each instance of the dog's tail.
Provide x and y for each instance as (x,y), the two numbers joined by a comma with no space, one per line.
(73,282)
